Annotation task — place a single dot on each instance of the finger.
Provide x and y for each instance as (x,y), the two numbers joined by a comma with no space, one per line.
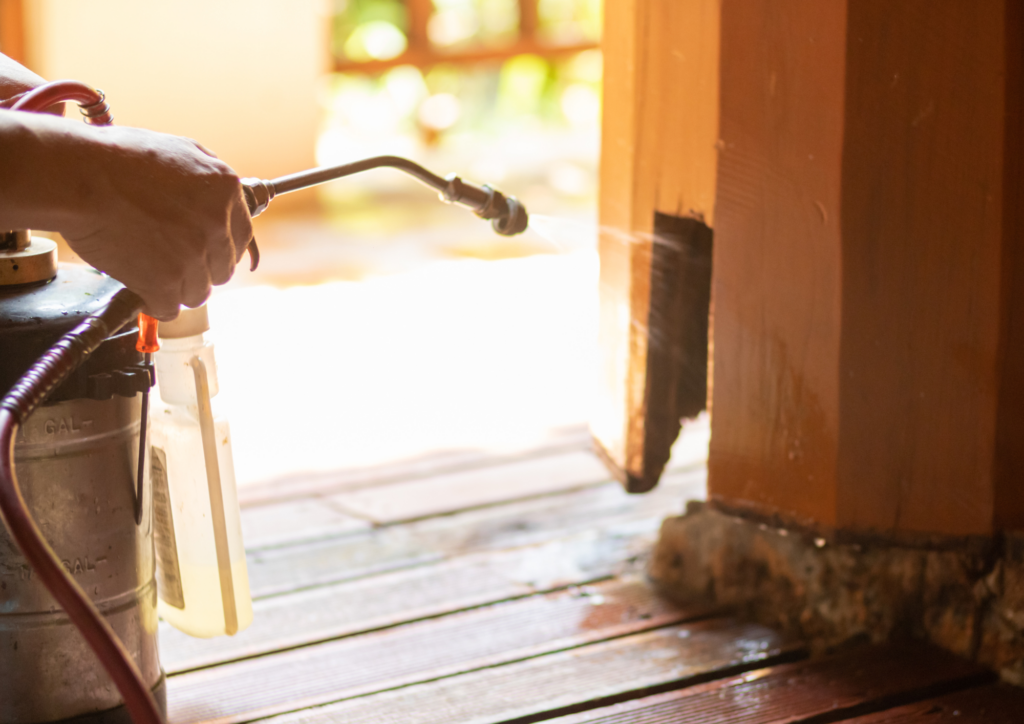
(160,307)
(222,262)
(162,298)
(254,254)
(162,314)
(241,226)
(196,289)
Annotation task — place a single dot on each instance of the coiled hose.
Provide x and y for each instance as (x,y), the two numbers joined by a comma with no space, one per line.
(91,101)
(21,401)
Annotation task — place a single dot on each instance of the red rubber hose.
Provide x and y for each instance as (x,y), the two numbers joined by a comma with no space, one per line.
(91,101)
(18,404)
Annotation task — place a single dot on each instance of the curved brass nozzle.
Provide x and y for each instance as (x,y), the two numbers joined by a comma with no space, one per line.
(507,214)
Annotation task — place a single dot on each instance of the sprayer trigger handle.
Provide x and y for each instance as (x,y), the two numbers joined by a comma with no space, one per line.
(254,254)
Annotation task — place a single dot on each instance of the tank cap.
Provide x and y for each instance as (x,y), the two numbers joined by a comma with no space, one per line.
(190,322)
(26,259)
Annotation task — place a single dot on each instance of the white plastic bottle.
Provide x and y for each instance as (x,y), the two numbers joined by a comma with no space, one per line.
(202,579)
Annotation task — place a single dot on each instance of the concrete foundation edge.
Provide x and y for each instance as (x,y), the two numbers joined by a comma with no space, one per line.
(967,599)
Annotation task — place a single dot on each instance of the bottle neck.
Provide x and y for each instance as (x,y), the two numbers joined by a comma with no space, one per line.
(176,373)
(183,344)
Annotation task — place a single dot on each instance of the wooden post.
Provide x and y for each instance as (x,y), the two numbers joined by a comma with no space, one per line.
(775,424)
(658,155)
(868,273)
(1009,455)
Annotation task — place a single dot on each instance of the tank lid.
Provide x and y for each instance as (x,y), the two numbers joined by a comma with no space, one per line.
(190,322)
(34,316)
(26,259)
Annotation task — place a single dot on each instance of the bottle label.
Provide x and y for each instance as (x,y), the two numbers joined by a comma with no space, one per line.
(167,570)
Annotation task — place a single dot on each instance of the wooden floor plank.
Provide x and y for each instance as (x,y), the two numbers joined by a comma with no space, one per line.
(306,519)
(824,690)
(328,483)
(556,683)
(689,449)
(389,599)
(414,499)
(421,651)
(999,704)
(335,559)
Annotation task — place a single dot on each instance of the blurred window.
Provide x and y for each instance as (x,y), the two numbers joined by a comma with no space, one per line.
(374,35)
(503,90)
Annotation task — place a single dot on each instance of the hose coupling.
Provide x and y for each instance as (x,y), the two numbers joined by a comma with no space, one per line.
(98,112)
(258,195)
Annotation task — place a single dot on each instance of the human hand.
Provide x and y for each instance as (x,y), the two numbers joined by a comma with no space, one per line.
(162,216)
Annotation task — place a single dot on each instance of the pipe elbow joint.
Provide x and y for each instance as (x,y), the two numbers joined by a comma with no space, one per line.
(514,220)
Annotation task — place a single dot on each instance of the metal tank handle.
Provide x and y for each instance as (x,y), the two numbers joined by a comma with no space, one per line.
(213,481)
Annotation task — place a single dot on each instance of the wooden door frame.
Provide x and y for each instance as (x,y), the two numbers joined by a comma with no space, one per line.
(12,30)
(658,156)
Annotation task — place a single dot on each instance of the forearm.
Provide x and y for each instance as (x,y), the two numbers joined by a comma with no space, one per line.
(45,180)
(16,78)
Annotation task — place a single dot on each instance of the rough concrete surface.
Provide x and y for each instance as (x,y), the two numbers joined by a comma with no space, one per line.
(966,598)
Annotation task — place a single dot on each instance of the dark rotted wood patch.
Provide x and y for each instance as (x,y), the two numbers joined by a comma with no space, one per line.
(677,356)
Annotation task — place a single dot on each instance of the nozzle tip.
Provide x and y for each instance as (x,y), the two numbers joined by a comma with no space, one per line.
(515,221)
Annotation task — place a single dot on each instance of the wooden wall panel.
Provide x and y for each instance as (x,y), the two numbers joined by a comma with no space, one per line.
(923,236)
(12,30)
(658,154)
(1009,469)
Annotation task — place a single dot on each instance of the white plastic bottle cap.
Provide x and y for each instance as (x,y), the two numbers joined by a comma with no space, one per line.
(190,322)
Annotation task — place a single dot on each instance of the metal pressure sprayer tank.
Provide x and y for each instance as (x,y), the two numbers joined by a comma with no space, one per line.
(77,460)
